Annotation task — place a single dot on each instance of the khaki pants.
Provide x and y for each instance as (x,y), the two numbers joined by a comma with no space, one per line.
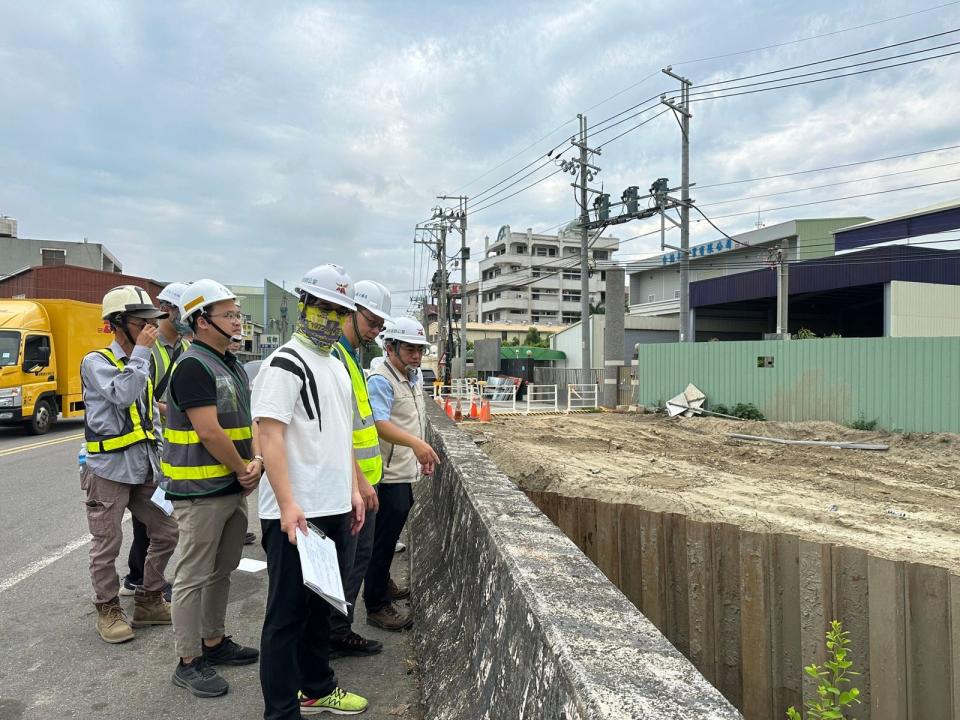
(211,544)
(105,502)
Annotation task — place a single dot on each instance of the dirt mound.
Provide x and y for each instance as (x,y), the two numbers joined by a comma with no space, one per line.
(901,504)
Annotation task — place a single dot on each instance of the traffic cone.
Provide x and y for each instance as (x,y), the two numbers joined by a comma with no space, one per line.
(474,411)
(458,413)
(485,410)
(448,408)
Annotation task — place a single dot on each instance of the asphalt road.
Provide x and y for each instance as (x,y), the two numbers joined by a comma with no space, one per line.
(54,665)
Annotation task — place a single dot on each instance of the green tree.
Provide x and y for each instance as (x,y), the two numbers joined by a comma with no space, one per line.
(832,696)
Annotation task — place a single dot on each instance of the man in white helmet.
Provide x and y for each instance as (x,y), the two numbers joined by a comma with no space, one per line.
(211,461)
(303,404)
(123,439)
(396,396)
(170,344)
(361,329)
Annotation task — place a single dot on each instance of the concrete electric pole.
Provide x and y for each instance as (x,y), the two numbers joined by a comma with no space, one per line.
(586,173)
(460,215)
(683,110)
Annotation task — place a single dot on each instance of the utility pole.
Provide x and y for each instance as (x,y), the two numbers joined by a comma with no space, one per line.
(683,110)
(783,294)
(461,215)
(442,299)
(586,172)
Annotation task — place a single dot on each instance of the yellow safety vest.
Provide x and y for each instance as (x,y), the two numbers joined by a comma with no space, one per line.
(161,360)
(135,428)
(366,442)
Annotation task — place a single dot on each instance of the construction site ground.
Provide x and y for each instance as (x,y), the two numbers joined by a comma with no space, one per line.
(901,504)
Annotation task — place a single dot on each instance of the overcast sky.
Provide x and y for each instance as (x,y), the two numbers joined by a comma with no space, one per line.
(243,140)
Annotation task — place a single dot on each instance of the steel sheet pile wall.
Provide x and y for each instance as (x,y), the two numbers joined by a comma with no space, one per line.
(512,621)
(751,609)
(909,384)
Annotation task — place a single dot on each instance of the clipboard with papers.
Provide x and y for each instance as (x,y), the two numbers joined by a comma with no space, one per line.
(318,563)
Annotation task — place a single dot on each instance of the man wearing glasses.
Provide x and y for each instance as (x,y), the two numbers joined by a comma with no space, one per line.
(123,439)
(362,327)
(211,461)
(303,405)
(396,397)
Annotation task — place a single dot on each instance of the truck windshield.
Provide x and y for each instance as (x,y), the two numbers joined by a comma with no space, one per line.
(9,347)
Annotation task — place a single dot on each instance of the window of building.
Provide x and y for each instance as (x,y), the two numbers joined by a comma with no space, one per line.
(676,294)
(603,276)
(569,296)
(569,250)
(571,275)
(601,255)
(570,317)
(53,257)
(541,251)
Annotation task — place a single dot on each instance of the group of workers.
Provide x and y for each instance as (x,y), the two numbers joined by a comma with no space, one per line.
(172,421)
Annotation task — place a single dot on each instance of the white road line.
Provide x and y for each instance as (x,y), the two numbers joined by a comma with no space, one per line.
(38,565)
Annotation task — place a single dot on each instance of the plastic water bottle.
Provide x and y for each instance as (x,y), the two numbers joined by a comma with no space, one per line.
(82,457)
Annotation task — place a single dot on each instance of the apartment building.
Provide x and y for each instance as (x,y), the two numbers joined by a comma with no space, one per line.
(534,279)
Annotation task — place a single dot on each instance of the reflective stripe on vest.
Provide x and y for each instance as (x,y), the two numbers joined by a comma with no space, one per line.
(136,429)
(161,359)
(366,442)
(188,468)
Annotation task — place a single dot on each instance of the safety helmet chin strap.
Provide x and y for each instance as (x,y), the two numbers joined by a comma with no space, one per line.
(119,320)
(206,316)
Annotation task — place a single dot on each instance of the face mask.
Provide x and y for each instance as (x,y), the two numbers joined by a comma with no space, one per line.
(320,328)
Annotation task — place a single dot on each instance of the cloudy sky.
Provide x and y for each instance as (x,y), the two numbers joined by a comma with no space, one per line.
(243,140)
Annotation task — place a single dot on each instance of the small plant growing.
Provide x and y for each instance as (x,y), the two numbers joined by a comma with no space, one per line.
(861,423)
(747,411)
(832,676)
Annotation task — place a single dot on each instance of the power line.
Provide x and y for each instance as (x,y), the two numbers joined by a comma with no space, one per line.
(829,167)
(507,197)
(635,127)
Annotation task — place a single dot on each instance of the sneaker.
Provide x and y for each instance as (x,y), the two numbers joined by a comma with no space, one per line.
(127,588)
(396,592)
(150,608)
(230,653)
(200,678)
(399,547)
(354,644)
(249,539)
(390,617)
(112,623)
(339,702)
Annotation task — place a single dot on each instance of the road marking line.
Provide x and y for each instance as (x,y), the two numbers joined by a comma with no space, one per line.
(44,443)
(38,565)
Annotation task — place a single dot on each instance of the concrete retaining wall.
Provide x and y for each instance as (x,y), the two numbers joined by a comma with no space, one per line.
(514,621)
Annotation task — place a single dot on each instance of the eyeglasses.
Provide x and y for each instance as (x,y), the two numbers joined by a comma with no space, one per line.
(141,325)
(229,316)
(413,349)
(373,321)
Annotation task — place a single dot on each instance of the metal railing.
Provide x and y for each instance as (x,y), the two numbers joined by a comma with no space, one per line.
(501,396)
(542,398)
(580,397)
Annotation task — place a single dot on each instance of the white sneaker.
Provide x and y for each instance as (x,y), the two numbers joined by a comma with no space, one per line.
(398,549)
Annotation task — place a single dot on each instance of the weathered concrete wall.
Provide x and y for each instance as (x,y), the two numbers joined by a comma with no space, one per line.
(514,621)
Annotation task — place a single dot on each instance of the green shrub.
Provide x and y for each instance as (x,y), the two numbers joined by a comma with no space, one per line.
(747,411)
(721,408)
(861,423)
(832,696)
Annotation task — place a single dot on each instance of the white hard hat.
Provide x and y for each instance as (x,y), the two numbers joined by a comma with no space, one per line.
(406,329)
(201,294)
(130,300)
(329,282)
(374,297)
(172,292)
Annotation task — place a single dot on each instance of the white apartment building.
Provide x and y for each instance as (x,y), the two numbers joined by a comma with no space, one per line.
(534,279)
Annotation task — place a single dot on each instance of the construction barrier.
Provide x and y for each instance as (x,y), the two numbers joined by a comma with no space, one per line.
(501,395)
(581,397)
(541,398)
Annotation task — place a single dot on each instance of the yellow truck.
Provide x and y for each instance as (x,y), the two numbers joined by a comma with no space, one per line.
(41,345)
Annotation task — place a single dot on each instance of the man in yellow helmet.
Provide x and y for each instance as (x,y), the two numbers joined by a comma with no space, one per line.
(123,440)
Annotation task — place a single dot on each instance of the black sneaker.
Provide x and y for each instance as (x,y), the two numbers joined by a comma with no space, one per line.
(354,644)
(230,653)
(249,539)
(200,679)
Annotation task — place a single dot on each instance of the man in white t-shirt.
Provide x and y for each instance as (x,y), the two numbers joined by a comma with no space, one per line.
(303,403)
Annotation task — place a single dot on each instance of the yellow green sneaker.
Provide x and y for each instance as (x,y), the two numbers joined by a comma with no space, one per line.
(339,702)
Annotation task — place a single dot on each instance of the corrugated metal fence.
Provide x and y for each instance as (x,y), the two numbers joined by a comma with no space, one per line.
(909,384)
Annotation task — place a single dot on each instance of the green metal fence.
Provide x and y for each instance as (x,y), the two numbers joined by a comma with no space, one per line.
(909,384)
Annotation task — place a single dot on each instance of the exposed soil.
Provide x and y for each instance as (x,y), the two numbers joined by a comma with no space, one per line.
(689,465)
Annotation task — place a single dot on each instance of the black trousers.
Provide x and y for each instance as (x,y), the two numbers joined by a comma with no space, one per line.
(138,552)
(295,643)
(396,499)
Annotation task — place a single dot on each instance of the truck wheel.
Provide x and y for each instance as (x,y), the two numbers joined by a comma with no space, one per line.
(43,418)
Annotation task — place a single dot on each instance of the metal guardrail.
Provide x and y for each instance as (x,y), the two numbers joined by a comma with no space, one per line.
(502,396)
(580,397)
(542,398)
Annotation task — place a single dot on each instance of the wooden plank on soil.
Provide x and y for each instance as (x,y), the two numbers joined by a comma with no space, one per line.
(569,518)
(631,561)
(888,644)
(608,540)
(755,640)
(816,608)
(678,611)
(929,666)
(726,554)
(785,623)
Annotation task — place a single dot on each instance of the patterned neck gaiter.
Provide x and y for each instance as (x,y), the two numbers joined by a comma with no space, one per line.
(319,328)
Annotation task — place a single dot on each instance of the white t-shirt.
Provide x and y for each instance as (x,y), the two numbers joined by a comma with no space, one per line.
(319,454)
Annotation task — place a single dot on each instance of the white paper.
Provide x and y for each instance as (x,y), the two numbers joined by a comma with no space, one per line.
(159,498)
(251,566)
(318,562)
